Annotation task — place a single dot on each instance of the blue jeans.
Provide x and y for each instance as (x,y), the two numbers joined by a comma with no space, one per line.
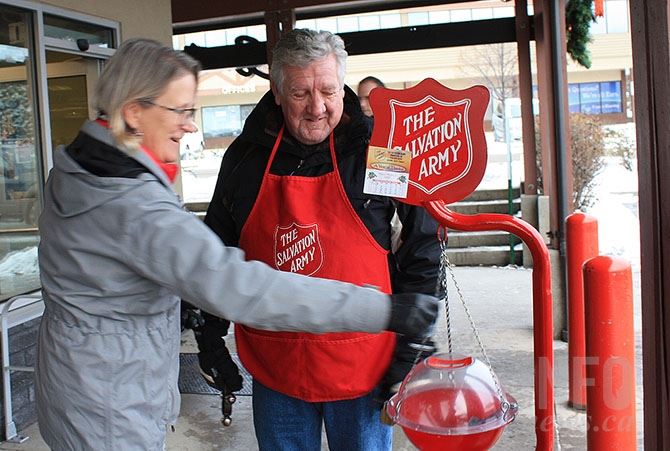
(283,423)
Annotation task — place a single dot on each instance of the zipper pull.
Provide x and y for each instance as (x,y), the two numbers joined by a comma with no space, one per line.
(298,167)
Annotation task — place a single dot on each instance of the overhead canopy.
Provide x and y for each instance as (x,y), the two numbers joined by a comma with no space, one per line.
(189,16)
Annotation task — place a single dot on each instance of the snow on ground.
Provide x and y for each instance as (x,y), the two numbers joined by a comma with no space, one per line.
(616,210)
(616,205)
(19,263)
(19,271)
(199,178)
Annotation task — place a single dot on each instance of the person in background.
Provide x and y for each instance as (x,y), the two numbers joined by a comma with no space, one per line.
(364,87)
(290,193)
(118,250)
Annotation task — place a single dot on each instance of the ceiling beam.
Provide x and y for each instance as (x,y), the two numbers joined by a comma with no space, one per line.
(455,34)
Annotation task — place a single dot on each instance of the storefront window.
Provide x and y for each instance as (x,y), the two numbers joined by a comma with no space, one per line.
(610,97)
(616,13)
(418,18)
(71,30)
(221,121)
(615,19)
(461,15)
(20,187)
(595,98)
(589,98)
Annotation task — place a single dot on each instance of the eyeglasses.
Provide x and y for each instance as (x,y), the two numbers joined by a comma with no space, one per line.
(186,114)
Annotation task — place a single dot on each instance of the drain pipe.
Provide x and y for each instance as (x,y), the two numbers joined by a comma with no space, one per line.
(562,155)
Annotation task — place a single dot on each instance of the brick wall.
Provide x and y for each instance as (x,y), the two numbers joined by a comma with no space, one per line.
(22,350)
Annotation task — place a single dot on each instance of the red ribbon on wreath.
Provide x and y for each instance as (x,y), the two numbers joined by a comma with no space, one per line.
(600,8)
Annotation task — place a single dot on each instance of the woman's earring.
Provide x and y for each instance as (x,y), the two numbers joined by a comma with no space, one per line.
(133,132)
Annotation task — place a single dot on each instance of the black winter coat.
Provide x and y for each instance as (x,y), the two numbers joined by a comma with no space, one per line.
(414,265)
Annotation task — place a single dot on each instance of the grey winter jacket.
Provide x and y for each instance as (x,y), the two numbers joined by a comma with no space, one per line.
(116,255)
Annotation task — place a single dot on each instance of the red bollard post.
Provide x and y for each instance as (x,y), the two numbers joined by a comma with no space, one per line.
(581,240)
(610,343)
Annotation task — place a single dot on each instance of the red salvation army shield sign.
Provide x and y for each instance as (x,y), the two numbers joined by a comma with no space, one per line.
(297,248)
(442,128)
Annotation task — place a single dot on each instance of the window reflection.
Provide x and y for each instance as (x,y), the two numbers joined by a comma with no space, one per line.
(69,80)
(226,99)
(71,30)
(20,197)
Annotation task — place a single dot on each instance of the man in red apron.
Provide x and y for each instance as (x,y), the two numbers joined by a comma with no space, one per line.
(290,193)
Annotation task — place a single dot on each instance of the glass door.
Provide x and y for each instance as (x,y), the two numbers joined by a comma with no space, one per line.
(46,84)
(75,51)
(70,83)
(20,162)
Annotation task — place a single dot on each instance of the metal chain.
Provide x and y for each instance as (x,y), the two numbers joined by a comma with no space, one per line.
(441,289)
(504,405)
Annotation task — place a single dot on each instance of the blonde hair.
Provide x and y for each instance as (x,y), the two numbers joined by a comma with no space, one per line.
(140,70)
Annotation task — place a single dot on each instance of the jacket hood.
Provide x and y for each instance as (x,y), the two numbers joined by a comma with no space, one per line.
(73,190)
(263,125)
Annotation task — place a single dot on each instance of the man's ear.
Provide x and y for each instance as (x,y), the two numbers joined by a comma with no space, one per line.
(275,92)
(132,115)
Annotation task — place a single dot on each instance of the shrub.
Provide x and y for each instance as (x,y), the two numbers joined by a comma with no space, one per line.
(620,146)
(587,146)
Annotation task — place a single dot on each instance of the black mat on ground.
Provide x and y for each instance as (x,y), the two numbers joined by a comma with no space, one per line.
(191,382)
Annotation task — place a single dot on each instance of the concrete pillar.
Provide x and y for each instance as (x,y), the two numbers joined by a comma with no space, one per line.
(529,214)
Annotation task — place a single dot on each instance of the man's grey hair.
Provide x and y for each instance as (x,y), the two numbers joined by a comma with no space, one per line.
(301,47)
(140,70)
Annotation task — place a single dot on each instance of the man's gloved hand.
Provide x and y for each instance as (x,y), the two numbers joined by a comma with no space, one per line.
(413,314)
(220,370)
(190,316)
(407,351)
(216,364)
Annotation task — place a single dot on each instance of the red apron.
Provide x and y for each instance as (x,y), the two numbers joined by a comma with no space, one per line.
(307,225)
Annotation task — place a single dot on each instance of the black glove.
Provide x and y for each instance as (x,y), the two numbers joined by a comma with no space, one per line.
(407,352)
(413,314)
(220,370)
(218,367)
(190,316)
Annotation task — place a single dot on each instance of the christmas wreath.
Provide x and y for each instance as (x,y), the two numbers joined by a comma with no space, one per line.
(578,17)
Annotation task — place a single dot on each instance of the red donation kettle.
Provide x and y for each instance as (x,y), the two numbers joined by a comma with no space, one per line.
(450,402)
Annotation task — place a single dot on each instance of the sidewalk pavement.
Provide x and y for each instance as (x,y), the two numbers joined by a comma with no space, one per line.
(500,303)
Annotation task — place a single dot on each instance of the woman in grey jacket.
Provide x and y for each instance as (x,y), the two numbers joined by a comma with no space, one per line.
(118,251)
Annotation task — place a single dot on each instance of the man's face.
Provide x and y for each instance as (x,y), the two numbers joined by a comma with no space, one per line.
(364,95)
(312,100)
